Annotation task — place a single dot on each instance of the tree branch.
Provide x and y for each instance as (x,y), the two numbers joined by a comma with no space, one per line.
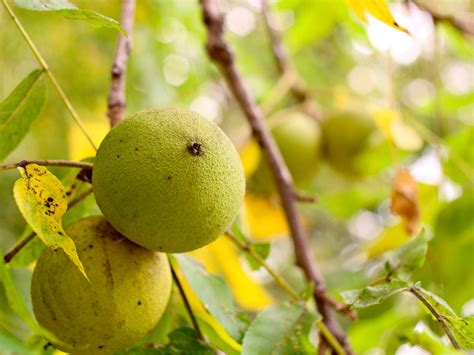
(439,317)
(297,87)
(66,163)
(463,26)
(116,101)
(221,53)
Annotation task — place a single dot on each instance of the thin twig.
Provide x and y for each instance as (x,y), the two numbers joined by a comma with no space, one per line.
(297,87)
(278,279)
(22,243)
(50,75)
(186,302)
(116,101)
(285,286)
(439,317)
(464,26)
(221,53)
(65,163)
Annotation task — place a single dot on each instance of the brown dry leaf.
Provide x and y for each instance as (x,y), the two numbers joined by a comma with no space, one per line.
(405,201)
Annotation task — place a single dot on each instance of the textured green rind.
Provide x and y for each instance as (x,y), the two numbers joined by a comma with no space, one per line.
(298,137)
(345,135)
(128,291)
(154,191)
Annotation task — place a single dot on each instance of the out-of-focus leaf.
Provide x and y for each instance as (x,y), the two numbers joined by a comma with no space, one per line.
(183,340)
(404,201)
(430,342)
(16,302)
(264,218)
(10,343)
(215,295)
(460,164)
(222,257)
(41,198)
(250,155)
(396,131)
(19,110)
(455,220)
(70,11)
(376,8)
(373,295)
(462,328)
(276,330)
(30,252)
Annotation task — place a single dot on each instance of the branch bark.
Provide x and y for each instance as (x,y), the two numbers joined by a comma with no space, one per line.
(64,163)
(116,101)
(298,87)
(221,53)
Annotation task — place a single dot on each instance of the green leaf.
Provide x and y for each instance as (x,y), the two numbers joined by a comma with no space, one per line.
(183,340)
(41,198)
(373,295)
(261,249)
(17,304)
(19,110)
(70,11)
(215,295)
(408,257)
(10,343)
(462,328)
(280,329)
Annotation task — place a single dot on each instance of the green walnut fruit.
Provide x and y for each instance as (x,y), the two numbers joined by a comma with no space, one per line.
(298,137)
(345,136)
(125,297)
(168,179)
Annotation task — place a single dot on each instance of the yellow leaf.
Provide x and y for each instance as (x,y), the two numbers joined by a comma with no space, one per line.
(391,238)
(41,198)
(79,146)
(221,257)
(396,131)
(250,155)
(264,218)
(376,8)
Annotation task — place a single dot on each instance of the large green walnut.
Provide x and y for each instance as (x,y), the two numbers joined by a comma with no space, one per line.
(345,136)
(127,294)
(298,137)
(168,179)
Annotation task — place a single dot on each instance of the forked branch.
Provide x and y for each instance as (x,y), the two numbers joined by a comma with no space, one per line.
(221,53)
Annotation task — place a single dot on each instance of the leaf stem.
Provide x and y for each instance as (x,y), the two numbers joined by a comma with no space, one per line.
(64,163)
(22,243)
(48,72)
(439,317)
(186,302)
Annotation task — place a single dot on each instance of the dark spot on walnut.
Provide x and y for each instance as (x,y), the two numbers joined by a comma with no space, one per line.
(118,156)
(50,199)
(169,177)
(139,303)
(195,149)
(136,149)
(101,346)
(91,246)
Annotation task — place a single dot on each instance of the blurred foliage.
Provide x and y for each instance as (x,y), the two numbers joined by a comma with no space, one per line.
(418,89)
